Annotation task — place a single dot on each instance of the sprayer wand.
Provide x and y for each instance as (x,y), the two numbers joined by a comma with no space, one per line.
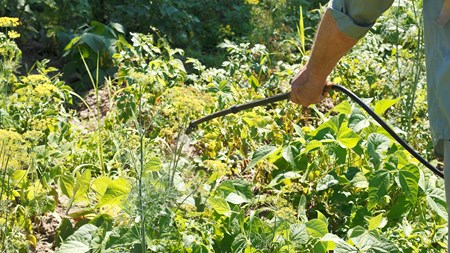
(285,96)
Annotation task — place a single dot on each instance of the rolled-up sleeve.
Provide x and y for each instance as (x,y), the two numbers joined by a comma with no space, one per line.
(356,17)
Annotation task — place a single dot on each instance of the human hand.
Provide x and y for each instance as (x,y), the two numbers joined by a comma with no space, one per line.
(308,88)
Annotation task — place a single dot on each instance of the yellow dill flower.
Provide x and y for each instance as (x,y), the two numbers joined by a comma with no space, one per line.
(15,147)
(36,78)
(9,22)
(252,2)
(44,90)
(13,34)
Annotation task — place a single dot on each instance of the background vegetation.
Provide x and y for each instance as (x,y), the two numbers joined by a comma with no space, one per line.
(93,157)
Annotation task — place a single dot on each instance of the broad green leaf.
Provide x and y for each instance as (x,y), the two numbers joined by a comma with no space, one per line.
(326,182)
(289,154)
(378,187)
(236,199)
(383,247)
(334,124)
(116,193)
(312,145)
(220,205)
(66,184)
(73,247)
(360,181)
(409,184)
(382,105)
(376,222)
(344,108)
(343,247)
(377,144)
(316,228)
(298,233)
(436,200)
(80,240)
(81,187)
(153,164)
(347,138)
(18,176)
(322,217)
(331,241)
(100,184)
(358,120)
(260,154)
(239,244)
(319,248)
(370,241)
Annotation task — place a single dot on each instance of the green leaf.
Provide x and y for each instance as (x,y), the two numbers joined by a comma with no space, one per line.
(378,187)
(66,184)
(319,248)
(289,154)
(382,105)
(360,181)
(236,199)
(312,145)
(19,176)
(153,164)
(326,182)
(260,154)
(116,193)
(220,205)
(344,108)
(409,183)
(80,241)
(376,222)
(331,241)
(377,144)
(358,120)
(344,247)
(81,187)
(100,184)
(370,241)
(347,138)
(298,233)
(436,200)
(316,228)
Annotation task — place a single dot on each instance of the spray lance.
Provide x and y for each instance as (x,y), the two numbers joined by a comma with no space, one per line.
(285,96)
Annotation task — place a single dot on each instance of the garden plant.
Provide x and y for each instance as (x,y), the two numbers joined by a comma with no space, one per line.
(94,155)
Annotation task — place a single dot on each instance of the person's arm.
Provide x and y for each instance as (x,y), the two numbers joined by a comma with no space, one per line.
(342,25)
(329,47)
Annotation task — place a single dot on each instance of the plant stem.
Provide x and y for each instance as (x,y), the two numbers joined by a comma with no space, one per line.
(141,172)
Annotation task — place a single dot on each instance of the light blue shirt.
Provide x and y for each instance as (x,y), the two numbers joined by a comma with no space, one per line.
(356,17)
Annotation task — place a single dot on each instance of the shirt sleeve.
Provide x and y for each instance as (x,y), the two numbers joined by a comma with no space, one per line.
(356,17)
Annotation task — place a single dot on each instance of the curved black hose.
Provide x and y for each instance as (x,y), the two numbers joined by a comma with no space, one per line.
(388,129)
(285,96)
